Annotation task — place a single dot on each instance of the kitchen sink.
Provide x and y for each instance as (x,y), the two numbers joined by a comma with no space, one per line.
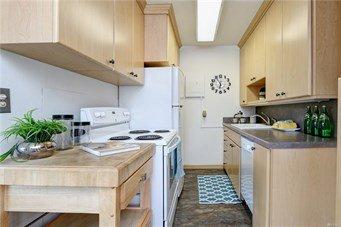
(251,126)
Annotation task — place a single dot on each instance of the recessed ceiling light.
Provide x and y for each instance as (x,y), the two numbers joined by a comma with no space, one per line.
(208,14)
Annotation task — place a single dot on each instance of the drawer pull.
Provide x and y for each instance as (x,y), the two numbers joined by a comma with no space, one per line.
(144,177)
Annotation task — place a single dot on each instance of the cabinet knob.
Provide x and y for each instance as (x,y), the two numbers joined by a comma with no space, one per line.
(135,75)
(131,73)
(278,94)
(282,93)
(143,177)
(112,61)
(231,145)
(253,148)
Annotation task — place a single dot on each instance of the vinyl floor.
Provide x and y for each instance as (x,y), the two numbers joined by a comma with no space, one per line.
(190,213)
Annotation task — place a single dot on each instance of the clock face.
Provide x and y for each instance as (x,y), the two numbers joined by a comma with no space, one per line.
(220,84)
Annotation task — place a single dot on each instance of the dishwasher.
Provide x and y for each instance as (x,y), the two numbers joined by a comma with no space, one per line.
(246,178)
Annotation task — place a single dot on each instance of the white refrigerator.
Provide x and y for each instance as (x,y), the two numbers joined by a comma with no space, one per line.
(159,104)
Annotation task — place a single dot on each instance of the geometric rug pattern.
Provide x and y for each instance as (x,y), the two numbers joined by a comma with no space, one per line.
(216,189)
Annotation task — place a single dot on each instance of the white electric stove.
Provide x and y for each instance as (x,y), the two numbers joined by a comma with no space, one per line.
(113,124)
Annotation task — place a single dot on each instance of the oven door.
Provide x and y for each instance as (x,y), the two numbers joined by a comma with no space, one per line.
(171,153)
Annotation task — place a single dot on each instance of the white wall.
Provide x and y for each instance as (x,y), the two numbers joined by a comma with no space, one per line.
(204,136)
(49,89)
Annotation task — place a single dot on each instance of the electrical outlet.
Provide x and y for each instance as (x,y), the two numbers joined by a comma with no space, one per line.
(5,100)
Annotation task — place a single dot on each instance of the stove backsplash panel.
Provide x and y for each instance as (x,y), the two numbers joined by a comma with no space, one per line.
(297,111)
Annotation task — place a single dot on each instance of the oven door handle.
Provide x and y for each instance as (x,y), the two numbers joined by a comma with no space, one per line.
(170,149)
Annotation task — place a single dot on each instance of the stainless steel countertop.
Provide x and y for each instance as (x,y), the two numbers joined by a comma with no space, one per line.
(274,139)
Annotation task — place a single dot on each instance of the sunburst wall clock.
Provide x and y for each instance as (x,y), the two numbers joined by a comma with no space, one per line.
(220,84)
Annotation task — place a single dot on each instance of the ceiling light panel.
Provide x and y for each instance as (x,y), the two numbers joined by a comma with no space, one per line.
(208,14)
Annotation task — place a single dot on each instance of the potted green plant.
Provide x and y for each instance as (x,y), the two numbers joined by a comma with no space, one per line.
(36,135)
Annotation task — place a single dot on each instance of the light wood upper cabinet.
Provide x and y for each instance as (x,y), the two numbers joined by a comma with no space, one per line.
(93,38)
(81,23)
(259,51)
(296,49)
(129,39)
(124,22)
(162,41)
(254,59)
(302,51)
(138,43)
(243,74)
(273,36)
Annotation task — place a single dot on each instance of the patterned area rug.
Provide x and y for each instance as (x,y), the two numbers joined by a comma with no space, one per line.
(216,189)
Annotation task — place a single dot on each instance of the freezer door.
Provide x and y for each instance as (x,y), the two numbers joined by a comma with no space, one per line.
(178,86)
(150,105)
(178,99)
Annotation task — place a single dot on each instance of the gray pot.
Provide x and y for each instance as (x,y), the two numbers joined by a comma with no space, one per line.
(36,150)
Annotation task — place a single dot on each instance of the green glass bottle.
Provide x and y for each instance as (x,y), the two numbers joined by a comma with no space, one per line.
(307,121)
(325,125)
(314,122)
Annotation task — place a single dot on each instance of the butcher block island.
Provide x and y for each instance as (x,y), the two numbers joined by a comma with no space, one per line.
(77,184)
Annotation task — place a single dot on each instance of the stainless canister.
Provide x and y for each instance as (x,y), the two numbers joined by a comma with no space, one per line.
(64,140)
(81,132)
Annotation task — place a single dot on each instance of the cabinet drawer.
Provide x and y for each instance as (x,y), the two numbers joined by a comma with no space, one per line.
(235,137)
(132,186)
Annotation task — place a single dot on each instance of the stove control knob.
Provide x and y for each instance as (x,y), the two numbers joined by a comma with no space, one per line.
(103,115)
(97,114)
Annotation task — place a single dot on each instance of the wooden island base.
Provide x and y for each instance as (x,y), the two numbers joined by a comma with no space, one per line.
(84,187)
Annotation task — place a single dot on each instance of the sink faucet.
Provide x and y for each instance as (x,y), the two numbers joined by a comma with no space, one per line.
(267,120)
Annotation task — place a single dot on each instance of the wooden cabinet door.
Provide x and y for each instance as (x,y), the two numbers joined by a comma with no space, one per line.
(123,36)
(88,27)
(273,48)
(250,72)
(296,48)
(338,161)
(138,42)
(172,45)
(236,168)
(243,75)
(261,186)
(227,156)
(26,21)
(232,160)
(259,51)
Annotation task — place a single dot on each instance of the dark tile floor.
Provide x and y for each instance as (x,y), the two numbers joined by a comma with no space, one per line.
(190,213)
